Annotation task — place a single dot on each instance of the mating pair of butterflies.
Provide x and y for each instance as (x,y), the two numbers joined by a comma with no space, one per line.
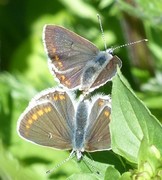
(54,118)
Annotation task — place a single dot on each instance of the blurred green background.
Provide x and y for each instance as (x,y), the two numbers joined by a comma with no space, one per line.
(24,71)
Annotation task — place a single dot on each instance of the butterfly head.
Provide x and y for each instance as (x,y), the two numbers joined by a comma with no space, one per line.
(79,154)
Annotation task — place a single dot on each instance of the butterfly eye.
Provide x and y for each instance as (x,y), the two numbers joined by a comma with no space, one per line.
(110,51)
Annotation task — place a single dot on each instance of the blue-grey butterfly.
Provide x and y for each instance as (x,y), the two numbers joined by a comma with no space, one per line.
(55,119)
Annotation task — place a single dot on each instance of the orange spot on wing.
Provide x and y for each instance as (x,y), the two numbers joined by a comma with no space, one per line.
(61,96)
(30,121)
(56,58)
(34,116)
(55,97)
(62,77)
(60,64)
(107,113)
(67,82)
(47,109)
(40,112)
(27,126)
(101,103)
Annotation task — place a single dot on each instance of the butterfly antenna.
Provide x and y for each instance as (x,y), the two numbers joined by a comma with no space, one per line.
(60,164)
(90,156)
(129,44)
(103,37)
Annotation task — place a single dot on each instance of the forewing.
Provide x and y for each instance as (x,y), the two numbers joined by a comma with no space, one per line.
(70,79)
(45,123)
(62,101)
(67,50)
(97,136)
(107,73)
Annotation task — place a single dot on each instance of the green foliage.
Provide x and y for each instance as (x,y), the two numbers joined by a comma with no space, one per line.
(11,169)
(136,133)
(140,130)
(135,121)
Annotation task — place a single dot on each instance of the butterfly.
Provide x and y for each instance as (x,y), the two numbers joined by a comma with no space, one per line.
(55,119)
(76,62)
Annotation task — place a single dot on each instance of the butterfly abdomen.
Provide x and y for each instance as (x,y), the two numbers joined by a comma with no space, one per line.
(81,122)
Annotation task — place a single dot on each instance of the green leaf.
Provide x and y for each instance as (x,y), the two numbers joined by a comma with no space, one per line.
(131,121)
(98,169)
(82,176)
(126,176)
(150,161)
(112,174)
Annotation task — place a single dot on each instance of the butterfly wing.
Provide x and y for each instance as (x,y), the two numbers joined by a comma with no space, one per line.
(68,53)
(66,47)
(47,120)
(107,73)
(97,137)
(70,79)
(62,101)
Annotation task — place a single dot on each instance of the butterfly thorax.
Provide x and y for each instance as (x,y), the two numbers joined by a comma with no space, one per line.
(93,69)
(102,58)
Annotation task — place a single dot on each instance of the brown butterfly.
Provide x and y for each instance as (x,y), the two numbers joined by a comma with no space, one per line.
(76,62)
